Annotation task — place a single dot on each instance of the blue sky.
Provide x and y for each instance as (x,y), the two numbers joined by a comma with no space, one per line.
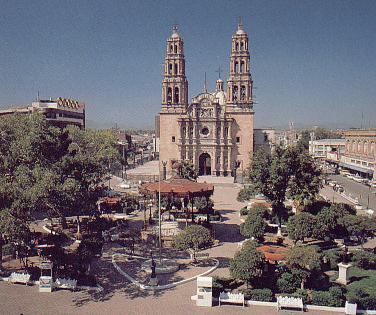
(313,62)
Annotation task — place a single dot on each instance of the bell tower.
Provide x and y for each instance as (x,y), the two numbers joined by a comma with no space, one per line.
(174,84)
(239,83)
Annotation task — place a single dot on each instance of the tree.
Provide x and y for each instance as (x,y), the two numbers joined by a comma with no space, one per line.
(306,180)
(303,142)
(302,261)
(194,237)
(203,203)
(26,146)
(329,221)
(359,227)
(188,170)
(50,170)
(254,226)
(301,226)
(286,170)
(269,175)
(248,264)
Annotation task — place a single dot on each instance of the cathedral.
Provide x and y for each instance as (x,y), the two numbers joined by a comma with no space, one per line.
(215,129)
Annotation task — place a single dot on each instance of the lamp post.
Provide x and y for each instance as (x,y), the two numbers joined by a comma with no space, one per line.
(150,218)
(159,214)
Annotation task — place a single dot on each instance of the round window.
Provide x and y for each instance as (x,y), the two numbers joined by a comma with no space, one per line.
(205,131)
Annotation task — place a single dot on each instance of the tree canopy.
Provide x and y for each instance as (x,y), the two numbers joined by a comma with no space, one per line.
(254,226)
(301,226)
(194,237)
(48,170)
(247,264)
(188,170)
(284,171)
(302,260)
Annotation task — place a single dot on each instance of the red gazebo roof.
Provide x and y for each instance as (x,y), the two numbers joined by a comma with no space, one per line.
(179,186)
(111,200)
(274,253)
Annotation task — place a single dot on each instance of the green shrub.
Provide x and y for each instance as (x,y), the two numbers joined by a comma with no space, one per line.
(364,260)
(301,293)
(260,210)
(333,297)
(8,249)
(333,258)
(364,299)
(287,283)
(265,295)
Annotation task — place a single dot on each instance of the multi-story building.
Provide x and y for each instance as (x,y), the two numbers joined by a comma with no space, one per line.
(327,149)
(265,139)
(360,152)
(215,130)
(60,112)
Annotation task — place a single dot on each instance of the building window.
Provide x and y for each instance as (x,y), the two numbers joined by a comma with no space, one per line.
(176,69)
(237,139)
(236,64)
(241,66)
(235,93)
(176,96)
(205,131)
(175,49)
(226,131)
(169,95)
(241,46)
(218,159)
(173,139)
(242,93)
(236,46)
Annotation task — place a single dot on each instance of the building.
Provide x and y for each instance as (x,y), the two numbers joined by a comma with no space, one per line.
(265,139)
(327,149)
(288,137)
(360,152)
(60,112)
(215,130)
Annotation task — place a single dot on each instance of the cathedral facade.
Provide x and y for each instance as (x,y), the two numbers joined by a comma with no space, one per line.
(215,129)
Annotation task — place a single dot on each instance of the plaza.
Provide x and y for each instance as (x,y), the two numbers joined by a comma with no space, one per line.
(119,296)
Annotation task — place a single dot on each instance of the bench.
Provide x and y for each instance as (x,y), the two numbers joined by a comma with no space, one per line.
(289,302)
(62,283)
(19,278)
(236,298)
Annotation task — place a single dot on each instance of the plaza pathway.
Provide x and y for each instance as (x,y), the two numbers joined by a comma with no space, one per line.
(121,297)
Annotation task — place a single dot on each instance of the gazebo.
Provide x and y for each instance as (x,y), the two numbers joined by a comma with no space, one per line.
(177,187)
(273,254)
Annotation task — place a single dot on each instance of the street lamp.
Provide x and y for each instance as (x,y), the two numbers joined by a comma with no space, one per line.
(150,218)
(159,212)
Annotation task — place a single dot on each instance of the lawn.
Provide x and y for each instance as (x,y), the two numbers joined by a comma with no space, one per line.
(361,278)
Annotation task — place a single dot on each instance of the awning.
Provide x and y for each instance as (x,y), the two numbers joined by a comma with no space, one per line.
(356,168)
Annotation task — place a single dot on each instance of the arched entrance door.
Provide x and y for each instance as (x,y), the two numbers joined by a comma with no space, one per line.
(205,164)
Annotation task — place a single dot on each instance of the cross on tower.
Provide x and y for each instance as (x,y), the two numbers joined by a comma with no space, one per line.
(175,27)
(219,71)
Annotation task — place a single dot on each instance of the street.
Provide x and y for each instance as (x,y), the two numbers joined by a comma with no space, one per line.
(365,194)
